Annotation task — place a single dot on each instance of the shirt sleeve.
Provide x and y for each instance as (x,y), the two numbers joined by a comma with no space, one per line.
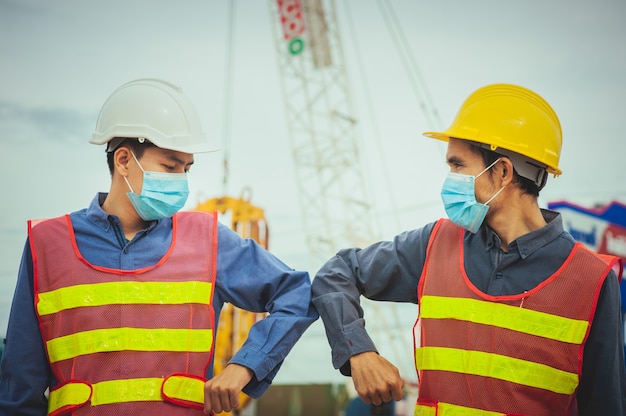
(384,271)
(25,373)
(602,389)
(251,278)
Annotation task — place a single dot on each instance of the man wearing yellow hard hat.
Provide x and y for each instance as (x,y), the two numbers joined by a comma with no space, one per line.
(515,317)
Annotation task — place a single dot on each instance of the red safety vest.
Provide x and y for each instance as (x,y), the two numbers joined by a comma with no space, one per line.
(485,355)
(127,342)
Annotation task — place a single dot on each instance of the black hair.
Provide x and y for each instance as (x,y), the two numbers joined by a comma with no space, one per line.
(133,144)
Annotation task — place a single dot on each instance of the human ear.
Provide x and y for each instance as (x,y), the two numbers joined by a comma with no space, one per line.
(121,158)
(507,171)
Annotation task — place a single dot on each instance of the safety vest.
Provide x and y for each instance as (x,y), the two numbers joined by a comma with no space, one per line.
(482,355)
(126,342)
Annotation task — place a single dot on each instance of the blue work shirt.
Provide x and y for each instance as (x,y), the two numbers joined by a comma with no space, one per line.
(390,271)
(248,277)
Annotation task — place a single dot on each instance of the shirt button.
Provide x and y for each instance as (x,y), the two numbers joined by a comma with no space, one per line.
(499,275)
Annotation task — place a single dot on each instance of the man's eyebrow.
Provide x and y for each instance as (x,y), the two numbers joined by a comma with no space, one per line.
(453,160)
(173,158)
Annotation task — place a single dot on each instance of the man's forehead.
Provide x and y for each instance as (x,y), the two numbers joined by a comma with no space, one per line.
(459,149)
(174,156)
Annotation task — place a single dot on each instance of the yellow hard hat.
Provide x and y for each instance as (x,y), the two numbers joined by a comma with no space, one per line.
(509,118)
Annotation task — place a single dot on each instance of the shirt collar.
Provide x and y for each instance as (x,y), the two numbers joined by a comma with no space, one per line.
(529,243)
(98,216)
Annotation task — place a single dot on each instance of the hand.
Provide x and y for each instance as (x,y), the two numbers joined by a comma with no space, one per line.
(375,379)
(221,393)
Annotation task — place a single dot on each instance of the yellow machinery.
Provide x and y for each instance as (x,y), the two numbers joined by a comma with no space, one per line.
(234,323)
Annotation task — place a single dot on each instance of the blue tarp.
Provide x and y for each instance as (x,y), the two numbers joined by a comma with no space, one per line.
(614,212)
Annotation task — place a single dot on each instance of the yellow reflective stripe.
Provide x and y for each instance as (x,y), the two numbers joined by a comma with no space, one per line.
(496,366)
(69,395)
(131,390)
(124,293)
(505,316)
(130,339)
(186,388)
(447,409)
(421,410)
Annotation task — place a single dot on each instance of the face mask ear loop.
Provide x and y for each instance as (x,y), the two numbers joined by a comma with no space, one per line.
(128,183)
(495,195)
(488,167)
(140,167)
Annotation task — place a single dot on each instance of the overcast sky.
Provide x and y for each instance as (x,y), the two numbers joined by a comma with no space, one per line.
(60,60)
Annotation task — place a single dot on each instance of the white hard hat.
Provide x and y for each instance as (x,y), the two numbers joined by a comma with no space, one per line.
(154,110)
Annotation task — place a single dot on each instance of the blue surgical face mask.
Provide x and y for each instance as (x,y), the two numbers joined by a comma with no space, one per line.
(459,200)
(162,194)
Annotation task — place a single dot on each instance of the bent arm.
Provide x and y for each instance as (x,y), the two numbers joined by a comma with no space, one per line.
(385,271)
(253,279)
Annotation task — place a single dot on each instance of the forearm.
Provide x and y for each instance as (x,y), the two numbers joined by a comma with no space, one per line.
(345,328)
(267,345)
(252,279)
(386,271)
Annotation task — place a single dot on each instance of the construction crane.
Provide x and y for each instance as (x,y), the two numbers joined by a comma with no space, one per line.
(323,131)
(322,127)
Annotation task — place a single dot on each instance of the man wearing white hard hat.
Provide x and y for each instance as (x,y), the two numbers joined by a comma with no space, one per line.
(515,316)
(116,306)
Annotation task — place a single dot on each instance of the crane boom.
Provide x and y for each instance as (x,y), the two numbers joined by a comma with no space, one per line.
(322,126)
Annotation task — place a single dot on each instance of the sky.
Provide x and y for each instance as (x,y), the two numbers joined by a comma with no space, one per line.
(60,60)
